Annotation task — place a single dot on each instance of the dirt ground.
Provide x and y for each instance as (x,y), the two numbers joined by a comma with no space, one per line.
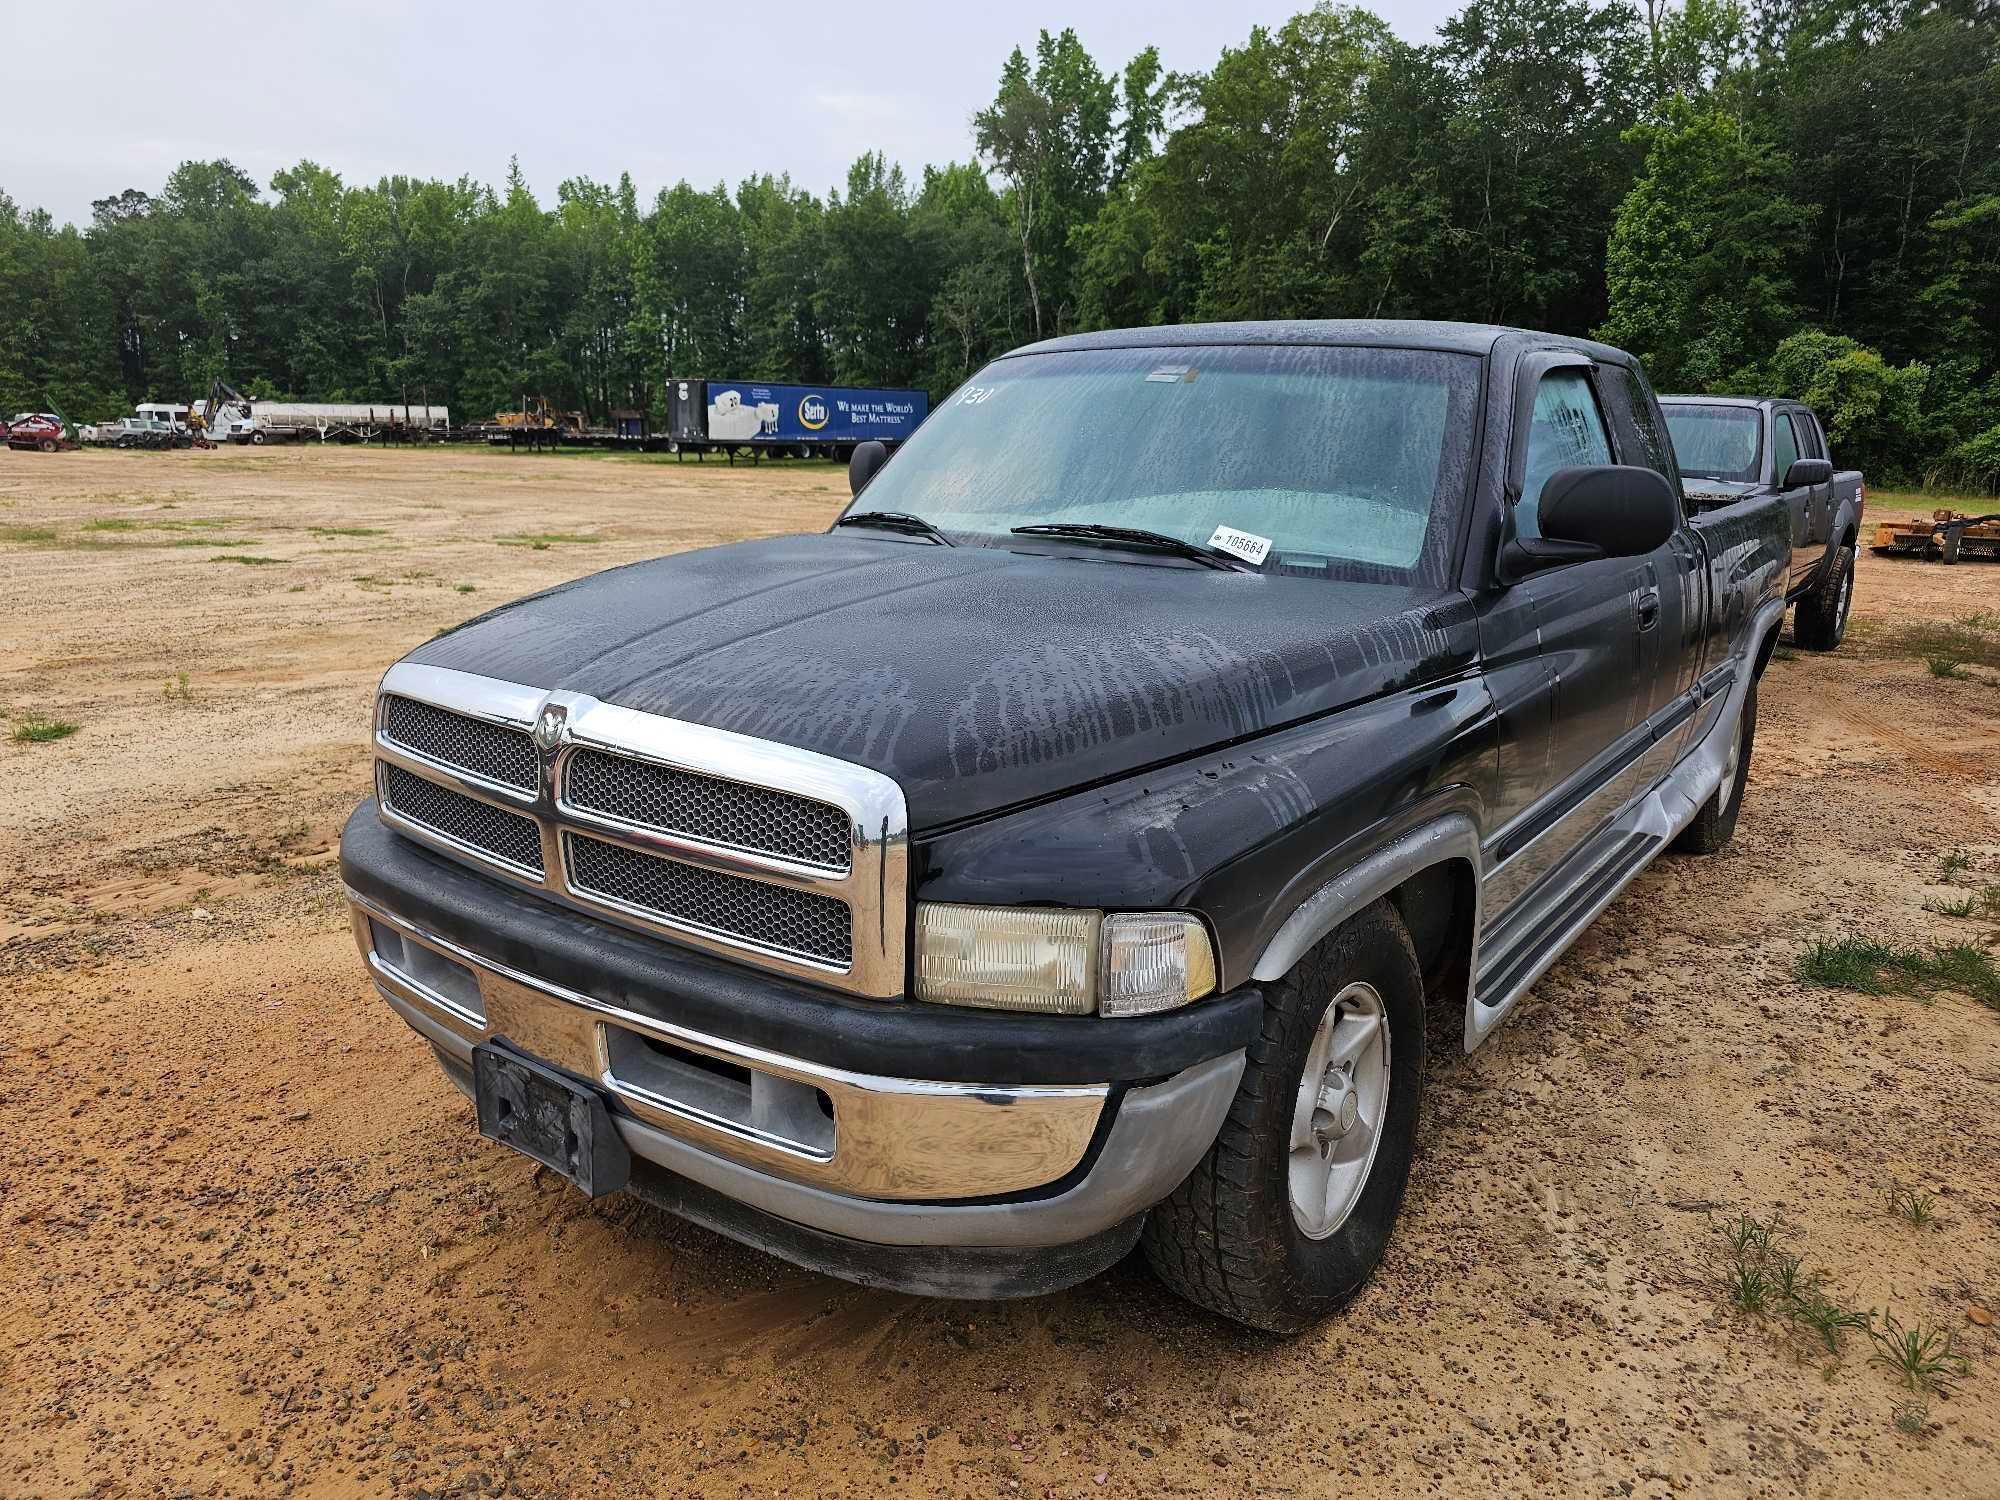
(250,1243)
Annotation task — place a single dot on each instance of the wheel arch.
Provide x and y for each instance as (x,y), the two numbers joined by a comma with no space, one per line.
(1432,876)
(1767,645)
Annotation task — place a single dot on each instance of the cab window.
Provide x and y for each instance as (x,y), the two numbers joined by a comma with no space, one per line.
(1784,446)
(1567,430)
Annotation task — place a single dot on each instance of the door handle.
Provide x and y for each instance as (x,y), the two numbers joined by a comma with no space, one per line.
(1649,609)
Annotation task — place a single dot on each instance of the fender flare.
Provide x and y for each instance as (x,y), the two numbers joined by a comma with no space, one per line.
(1453,836)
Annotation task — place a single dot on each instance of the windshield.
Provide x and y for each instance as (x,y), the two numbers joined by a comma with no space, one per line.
(1324,462)
(1716,442)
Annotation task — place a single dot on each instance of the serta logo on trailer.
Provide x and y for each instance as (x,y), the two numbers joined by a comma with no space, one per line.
(812,413)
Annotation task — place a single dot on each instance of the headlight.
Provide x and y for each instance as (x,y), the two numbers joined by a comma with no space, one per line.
(1061,962)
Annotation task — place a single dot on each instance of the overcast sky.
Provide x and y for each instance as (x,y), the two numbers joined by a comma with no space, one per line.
(97,99)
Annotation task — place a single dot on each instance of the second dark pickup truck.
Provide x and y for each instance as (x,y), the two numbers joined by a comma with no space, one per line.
(1080,842)
(1736,448)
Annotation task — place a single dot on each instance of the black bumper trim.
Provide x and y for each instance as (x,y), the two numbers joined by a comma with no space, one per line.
(902,1039)
(981,1272)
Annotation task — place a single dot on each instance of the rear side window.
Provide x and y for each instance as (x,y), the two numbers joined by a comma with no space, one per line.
(1784,446)
(1811,443)
(1640,415)
(1567,430)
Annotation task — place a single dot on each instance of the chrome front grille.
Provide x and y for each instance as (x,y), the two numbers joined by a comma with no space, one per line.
(707,808)
(803,923)
(499,754)
(466,820)
(787,859)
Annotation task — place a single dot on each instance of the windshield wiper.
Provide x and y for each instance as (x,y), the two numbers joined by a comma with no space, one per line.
(896,520)
(1092,531)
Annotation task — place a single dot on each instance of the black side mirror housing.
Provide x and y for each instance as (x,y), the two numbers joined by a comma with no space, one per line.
(862,464)
(1805,471)
(1594,511)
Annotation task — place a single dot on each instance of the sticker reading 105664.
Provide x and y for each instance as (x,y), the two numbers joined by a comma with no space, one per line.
(1250,547)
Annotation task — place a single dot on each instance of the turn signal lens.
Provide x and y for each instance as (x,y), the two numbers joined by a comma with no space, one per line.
(1008,958)
(1153,961)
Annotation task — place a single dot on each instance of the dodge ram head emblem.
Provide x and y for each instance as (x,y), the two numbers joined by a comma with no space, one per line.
(550,727)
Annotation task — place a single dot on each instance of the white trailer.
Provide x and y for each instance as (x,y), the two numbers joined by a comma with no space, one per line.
(277,421)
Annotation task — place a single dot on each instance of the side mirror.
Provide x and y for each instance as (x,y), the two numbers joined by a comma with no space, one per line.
(862,464)
(1597,510)
(1805,471)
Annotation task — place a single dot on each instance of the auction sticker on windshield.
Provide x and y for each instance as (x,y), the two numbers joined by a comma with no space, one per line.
(1246,545)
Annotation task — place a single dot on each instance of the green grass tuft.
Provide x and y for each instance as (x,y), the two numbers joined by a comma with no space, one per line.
(1926,1359)
(1750,1288)
(1918,1210)
(1975,639)
(27,533)
(1872,968)
(1823,1316)
(347,531)
(39,729)
(246,558)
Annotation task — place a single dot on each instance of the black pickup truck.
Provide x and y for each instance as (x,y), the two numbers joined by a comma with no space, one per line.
(1735,448)
(1079,843)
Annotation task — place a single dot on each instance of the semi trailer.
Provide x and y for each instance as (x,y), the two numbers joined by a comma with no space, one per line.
(808,421)
(279,421)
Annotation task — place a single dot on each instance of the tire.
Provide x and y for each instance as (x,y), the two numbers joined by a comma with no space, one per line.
(1715,825)
(47,445)
(1232,1238)
(1820,623)
(257,439)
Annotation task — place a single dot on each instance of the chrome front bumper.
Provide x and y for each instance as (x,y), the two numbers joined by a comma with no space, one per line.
(872,1158)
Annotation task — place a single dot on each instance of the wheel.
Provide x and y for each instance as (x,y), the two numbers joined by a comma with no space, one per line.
(47,445)
(1715,824)
(1821,621)
(257,438)
(1288,1214)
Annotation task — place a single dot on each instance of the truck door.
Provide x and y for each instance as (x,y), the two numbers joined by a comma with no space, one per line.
(1812,444)
(1591,618)
(1672,619)
(1784,450)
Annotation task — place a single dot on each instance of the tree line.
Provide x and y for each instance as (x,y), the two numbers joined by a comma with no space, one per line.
(1793,196)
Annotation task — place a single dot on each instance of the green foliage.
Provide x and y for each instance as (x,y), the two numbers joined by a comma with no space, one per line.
(1796,199)
(1975,463)
(1698,269)
(1873,412)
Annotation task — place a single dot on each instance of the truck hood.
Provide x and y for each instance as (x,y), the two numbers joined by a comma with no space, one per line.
(978,677)
(1726,490)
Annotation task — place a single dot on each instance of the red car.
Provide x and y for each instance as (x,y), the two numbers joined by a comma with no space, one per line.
(35,429)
